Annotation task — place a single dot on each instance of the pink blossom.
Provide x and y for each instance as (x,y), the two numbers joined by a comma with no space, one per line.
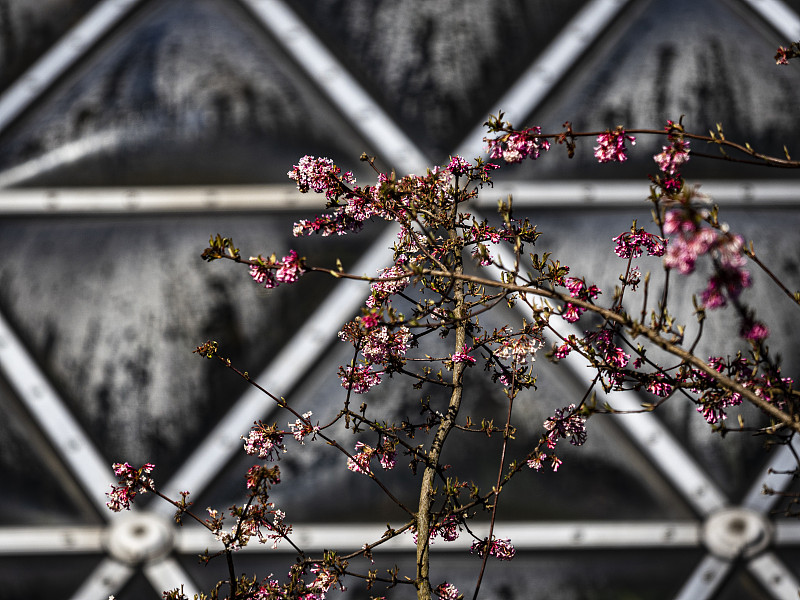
(291,268)
(301,428)
(262,274)
(672,157)
(535,462)
(266,442)
(499,548)
(447,591)
(319,175)
(572,313)
(360,461)
(382,345)
(618,358)
(629,244)
(392,280)
(462,356)
(131,481)
(362,378)
(518,349)
(458,165)
(659,388)
(562,351)
(566,422)
(555,463)
(611,146)
(517,146)
(754,330)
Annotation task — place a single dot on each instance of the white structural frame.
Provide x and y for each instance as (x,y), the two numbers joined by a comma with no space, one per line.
(366,115)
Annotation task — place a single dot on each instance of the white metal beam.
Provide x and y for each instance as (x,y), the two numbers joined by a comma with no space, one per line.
(774,576)
(525,535)
(782,460)
(166,574)
(349,97)
(47,408)
(779,16)
(705,580)
(178,199)
(106,580)
(60,57)
(16,541)
(560,194)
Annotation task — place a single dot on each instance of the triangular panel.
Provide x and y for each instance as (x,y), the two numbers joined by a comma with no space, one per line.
(112,311)
(184,92)
(438,67)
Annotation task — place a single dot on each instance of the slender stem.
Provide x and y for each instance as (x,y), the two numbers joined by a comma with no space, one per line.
(506,435)
(426,494)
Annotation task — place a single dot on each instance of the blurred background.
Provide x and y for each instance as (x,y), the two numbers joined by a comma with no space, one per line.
(131,130)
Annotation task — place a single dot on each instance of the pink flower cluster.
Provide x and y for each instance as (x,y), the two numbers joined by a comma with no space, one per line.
(255,520)
(264,441)
(377,344)
(360,461)
(131,481)
(714,400)
(462,356)
(289,270)
(692,241)
(447,591)
(630,243)
(611,146)
(301,428)
(613,355)
(360,378)
(535,462)
(565,423)
(516,146)
(319,175)
(517,349)
(381,345)
(325,579)
(499,548)
(392,280)
(578,289)
(447,530)
(659,388)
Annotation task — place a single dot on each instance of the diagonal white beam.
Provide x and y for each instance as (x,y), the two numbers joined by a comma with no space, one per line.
(706,579)
(363,113)
(771,573)
(106,580)
(779,16)
(47,408)
(61,56)
(166,575)
(299,355)
(782,460)
(550,66)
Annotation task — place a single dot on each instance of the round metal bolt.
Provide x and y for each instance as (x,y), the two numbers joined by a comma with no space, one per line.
(137,537)
(733,532)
